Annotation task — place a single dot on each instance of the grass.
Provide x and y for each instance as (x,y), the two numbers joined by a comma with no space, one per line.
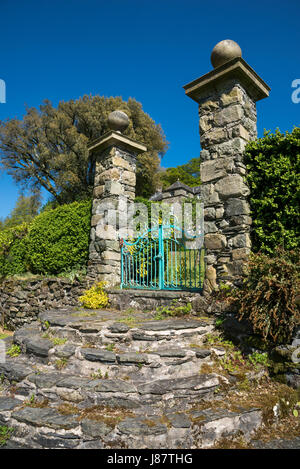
(98,375)
(111,416)
(54,340)
(13,351)
(261,394)
(84,314)
(128,320)
(110,347)
(67,409)
(33,402)
(4,333)
(234,362)
(61,363)
(5,434)
(175,310)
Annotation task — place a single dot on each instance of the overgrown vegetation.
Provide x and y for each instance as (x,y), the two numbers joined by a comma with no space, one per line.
(13,351)
(273,164)
(61,363)
(233,361)
(278,403)
(110,416)
(174,310)
(4,333)
(5,434)
(267,297)
(55,340)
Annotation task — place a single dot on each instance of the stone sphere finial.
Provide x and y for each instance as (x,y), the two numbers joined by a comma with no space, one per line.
(224,51)
(118,121)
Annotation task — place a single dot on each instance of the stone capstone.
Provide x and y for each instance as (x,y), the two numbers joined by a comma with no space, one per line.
(225,51)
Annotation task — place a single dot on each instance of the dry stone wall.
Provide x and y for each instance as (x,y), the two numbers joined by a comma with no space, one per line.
(21,301)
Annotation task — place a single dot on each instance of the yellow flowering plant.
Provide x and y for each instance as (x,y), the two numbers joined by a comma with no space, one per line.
(95,297)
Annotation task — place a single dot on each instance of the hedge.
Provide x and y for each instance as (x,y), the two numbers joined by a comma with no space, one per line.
(56,241)
(13,250)
(273,164)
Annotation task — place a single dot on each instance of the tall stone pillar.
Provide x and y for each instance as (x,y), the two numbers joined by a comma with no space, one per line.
(114,190)
(227,111)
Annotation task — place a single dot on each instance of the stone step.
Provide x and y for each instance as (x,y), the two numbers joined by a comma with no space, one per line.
(128,360)
(135,387)
(105,381)
(113,327)
(101,426)
(88,346)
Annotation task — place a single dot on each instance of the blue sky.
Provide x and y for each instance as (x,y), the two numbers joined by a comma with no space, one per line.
(59,50)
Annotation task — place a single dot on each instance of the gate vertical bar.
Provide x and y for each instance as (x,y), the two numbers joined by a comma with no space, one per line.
(161,257)
(122,267)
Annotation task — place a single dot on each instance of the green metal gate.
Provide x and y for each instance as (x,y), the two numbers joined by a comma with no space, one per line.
(162,259)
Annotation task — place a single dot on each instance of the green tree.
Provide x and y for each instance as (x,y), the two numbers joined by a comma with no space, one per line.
(188,173)
(273,164)
(25,210)
(49,147)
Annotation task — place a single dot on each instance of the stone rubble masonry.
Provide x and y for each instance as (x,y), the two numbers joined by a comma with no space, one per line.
(21,301)
(227,121)
(114,190)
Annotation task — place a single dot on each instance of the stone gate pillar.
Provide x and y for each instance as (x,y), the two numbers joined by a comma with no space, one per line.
(114,189)
(227,111)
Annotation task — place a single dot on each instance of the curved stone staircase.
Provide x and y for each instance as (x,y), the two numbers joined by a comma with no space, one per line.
(105,379)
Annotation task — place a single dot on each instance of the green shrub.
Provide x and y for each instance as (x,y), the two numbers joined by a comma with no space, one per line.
(274,180)
(267,297)
(58,239)
(13,250)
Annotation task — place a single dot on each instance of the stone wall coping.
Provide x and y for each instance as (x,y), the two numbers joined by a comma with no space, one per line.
(153,293)
(236,68)
(113,138)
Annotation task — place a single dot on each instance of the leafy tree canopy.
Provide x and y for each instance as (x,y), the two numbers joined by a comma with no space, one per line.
(188,173)
(49,147)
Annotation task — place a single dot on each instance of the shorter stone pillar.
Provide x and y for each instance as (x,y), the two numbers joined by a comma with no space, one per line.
(227,111)
(114,190)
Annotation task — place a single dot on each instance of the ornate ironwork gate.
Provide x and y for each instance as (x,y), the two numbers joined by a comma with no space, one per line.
(163,258)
